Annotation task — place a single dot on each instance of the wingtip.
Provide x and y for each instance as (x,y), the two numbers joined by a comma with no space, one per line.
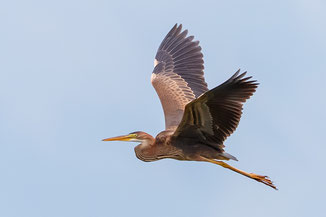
(179,27)
(234,76)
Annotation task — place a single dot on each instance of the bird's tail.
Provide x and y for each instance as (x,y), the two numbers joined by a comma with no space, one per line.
(229,156)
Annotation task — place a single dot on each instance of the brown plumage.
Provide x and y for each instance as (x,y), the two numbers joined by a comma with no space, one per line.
(197,120)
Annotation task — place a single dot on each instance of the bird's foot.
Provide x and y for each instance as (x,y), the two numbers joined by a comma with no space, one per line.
(263,179)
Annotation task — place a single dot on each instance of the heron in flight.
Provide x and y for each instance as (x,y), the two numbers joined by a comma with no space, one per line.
(197,120)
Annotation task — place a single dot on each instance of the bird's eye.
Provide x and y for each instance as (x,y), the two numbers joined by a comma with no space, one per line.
(133,135)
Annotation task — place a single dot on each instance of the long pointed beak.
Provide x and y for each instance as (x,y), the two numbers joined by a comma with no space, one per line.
(121,138)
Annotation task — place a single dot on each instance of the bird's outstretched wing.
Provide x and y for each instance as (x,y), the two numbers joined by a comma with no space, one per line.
(178,76)
(215,115)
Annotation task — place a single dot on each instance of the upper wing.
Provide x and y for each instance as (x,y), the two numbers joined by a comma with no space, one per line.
(214,116)
(178,76)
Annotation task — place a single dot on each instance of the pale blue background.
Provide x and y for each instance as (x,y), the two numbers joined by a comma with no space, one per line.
(75,72)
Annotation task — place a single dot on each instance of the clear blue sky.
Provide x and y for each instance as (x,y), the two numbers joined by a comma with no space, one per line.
(75,72)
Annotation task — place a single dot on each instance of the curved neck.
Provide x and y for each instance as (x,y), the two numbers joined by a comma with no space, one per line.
(146,150)
(149,141)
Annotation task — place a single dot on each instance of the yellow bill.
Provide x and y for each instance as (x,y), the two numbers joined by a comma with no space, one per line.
(122,138)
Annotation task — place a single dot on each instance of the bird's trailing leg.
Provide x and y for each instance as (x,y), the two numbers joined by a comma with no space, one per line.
(259,178)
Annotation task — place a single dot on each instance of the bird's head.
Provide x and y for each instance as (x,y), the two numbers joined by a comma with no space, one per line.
(137,136)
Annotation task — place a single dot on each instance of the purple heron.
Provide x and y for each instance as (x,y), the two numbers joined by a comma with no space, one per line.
(197,120)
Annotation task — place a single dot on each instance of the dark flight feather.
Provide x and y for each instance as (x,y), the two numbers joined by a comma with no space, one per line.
(216,114)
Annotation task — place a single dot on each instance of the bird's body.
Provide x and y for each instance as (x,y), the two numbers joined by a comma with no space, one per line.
(164,145)
(197,120)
